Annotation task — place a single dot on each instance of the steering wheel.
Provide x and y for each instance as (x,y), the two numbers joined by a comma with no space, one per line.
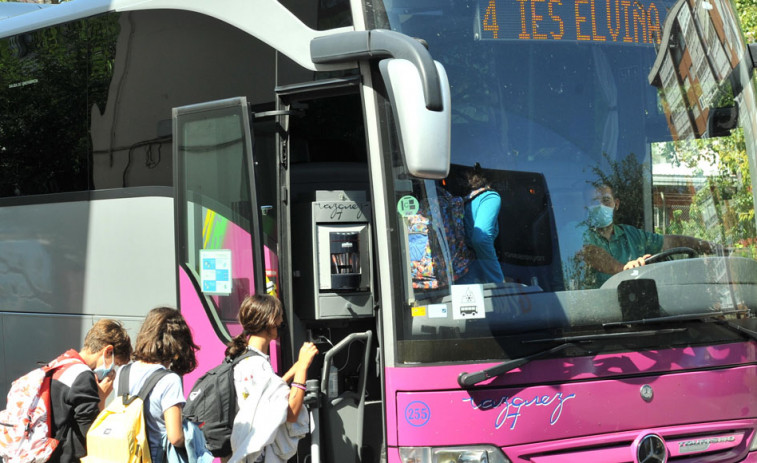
(669,253)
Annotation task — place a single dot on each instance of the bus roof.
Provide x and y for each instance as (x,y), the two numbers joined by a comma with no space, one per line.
(277,27)
(8,10)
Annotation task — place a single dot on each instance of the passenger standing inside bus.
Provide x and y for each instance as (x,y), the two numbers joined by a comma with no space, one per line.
(78,393)
(164,342)
(266,402)
(610,248)
(482,207)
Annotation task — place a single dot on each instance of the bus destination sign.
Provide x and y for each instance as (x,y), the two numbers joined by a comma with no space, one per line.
(631,22)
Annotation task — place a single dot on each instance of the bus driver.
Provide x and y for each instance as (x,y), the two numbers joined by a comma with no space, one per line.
(610,248)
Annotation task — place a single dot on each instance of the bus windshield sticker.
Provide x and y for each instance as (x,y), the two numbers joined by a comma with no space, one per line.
(418,311)
(437,311)
(408,206)
(215,276)
(467,302)
(612,22)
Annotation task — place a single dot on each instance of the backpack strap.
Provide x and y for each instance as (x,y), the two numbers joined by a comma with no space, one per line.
(144,391)
(123,380)
(60,363)
(152,380)
(473,194)
(247,353)
(147,387)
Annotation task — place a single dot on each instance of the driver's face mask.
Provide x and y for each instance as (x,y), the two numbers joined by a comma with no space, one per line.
(600,216)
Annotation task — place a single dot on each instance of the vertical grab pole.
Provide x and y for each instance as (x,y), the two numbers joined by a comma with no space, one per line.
(315,437)
(314,403)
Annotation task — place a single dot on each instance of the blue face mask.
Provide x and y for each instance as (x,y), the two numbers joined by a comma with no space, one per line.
(103,371)
(600,216)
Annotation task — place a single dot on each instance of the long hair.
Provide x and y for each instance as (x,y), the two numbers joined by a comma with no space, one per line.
(258,313)
(165,338)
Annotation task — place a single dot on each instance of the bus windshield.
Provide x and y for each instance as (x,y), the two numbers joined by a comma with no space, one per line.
(600,179)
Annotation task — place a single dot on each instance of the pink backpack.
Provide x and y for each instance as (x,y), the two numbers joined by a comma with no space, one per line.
(25,423)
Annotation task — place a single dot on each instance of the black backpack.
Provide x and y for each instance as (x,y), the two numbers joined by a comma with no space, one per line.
(212,404)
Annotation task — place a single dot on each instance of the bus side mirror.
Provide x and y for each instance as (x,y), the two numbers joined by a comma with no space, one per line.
(418,91)
(424,134)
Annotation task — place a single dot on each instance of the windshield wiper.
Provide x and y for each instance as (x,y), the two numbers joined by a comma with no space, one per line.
(470,379)
(603,336)
(672,318)
(745,326)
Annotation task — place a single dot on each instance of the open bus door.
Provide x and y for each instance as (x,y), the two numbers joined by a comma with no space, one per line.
(319,248)
(327,276)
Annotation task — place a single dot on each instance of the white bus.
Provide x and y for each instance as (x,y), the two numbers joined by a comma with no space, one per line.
(188,153)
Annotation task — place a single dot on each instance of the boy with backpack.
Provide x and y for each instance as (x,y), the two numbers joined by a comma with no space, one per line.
(65,405)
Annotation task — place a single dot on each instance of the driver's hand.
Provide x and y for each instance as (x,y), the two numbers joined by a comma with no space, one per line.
(714,248)
(637,262)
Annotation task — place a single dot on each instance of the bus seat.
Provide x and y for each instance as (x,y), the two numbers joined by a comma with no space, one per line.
(527,243)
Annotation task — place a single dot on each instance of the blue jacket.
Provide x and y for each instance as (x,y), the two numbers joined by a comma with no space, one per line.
(194,450)
(481,229)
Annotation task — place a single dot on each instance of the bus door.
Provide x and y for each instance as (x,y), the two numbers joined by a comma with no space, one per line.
(327,275)
(219,244)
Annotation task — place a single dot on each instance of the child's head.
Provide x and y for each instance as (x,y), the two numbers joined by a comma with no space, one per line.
(108,332)
(259,313)
(165,338)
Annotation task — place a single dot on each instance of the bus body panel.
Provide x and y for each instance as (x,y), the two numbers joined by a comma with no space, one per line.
(203,332)
(58,275)
(510,416)
(558,399)
(725,441)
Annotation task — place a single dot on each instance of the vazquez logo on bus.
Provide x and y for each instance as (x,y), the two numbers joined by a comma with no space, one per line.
(609,21)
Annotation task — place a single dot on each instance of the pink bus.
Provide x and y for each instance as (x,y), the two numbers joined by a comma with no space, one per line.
(518,230)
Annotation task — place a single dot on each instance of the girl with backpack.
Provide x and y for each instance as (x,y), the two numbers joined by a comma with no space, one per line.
(271,417)
(164,342)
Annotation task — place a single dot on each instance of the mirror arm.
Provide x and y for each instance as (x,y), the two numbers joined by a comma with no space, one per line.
(379,44)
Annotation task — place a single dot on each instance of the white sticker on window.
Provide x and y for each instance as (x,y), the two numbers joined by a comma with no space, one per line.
(437,311)
(467,302)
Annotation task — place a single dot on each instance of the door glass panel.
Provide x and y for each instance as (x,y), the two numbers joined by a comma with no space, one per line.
(217,205)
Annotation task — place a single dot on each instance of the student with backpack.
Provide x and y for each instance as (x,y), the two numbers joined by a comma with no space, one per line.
(164,343)
(77,385)
(482,207)
(266,402)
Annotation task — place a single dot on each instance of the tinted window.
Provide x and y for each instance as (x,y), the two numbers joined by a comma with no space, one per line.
(87,105)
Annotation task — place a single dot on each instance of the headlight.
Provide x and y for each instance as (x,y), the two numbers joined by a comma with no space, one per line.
(469,454)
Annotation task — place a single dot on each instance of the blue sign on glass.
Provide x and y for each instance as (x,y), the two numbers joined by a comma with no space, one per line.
(215,271)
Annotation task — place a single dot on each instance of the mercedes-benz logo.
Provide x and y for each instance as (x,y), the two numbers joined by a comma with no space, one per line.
(651,449)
